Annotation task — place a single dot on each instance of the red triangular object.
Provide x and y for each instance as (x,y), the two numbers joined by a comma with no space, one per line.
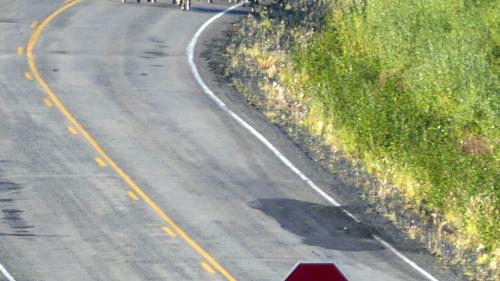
(316,272)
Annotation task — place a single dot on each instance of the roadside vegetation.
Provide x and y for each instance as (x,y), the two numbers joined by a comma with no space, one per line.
(409,90)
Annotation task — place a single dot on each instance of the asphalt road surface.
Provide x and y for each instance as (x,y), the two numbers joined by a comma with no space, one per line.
(150,180)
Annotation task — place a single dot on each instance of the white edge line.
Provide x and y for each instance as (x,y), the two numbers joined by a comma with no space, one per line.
(274,150)
(6,273)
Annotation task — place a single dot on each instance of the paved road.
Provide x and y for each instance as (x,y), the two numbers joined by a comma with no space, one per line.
(122,71)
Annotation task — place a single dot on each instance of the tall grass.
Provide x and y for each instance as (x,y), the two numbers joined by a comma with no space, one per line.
(412,89)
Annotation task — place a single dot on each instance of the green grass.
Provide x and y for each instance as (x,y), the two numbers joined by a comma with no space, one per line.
(412,89)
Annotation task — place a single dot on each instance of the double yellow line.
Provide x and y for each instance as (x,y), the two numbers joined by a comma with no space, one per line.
(103,155)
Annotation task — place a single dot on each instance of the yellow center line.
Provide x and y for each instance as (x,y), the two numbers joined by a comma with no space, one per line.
(207,267)
(169,232)
(133,195)
(20,50)
(47,102)
(100,162)
(126,178)
(72,130)
(28,75)
(34,24)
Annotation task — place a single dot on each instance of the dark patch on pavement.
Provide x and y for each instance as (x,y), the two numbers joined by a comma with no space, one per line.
(11,212)
(156,53)
(155,40)
(13,217)
(17,234)
(23,227)
(59,52)
(319,225)
(6,186)
(8,20)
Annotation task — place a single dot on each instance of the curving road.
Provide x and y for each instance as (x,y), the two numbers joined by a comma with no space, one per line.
(150,180)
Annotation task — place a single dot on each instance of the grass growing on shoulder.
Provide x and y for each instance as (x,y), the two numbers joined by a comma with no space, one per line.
(412,89)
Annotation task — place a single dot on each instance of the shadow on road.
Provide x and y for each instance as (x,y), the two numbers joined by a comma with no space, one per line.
(206,10)
(319,225)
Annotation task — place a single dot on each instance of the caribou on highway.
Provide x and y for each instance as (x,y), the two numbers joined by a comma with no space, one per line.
(186,4)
